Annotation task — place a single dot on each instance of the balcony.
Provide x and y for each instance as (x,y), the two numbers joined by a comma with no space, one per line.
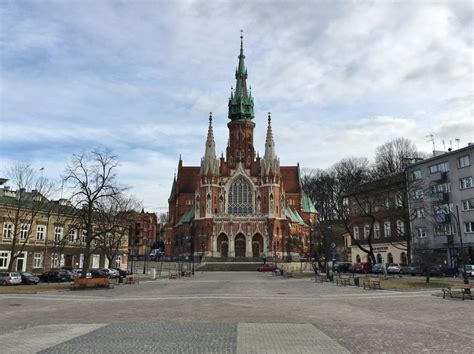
(442,218)
(438,176)
(439,197)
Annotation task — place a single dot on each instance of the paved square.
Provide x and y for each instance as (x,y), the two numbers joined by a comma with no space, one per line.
(235,312)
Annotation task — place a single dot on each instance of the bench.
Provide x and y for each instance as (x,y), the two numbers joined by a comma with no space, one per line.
(277,272)
(132,279)
(173,274)
(187,273)
(321,277)
(373,283)
(343,280)
(464,289)
(287,274)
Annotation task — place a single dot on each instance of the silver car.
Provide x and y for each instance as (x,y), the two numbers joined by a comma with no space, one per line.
(10,278)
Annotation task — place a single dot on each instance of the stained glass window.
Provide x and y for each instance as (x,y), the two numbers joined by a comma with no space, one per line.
(240,197)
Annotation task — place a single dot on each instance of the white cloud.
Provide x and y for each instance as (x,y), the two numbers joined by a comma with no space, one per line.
(142,77)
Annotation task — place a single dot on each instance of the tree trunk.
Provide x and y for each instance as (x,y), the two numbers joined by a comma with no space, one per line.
(86,261)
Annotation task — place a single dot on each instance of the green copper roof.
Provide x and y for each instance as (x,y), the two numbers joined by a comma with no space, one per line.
(187,217)
(307,204)
(294,216)
(173,191)
(241,101)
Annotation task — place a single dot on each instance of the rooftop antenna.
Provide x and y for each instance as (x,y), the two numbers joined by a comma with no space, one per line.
(444,145)
(431,138)
(457,141)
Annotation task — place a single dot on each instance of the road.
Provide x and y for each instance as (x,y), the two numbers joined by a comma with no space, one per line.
(235,312)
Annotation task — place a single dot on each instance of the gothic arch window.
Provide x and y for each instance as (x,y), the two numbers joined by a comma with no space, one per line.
(240,197)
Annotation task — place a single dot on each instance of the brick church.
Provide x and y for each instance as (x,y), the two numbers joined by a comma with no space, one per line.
(240,205)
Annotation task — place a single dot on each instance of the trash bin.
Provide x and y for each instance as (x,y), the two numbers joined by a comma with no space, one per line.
(356,281)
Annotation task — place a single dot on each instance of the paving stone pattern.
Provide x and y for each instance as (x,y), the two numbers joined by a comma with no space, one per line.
(155,337)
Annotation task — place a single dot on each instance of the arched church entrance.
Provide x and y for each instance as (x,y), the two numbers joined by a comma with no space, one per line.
(240,245)
(223,245)
(257,245)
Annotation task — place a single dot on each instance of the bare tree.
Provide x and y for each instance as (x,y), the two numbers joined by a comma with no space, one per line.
(93,181)
(394,156)
(114,226)
(24,204)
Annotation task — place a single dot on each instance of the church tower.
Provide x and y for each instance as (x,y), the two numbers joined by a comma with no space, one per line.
(240,146)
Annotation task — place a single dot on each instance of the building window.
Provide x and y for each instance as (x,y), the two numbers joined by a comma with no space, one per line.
(399,200)
(72,235)
(240,197)
(419,213)
(24,229)
(441,188)
(4,258)
(469,226)
(366,231)
(54,260)
(376,230)
(38,260)
(421,232)
(40,232)
(356,232)
(464,161)
(416,175)
(400,228)
(466,182)
(387,229)
(58,233)
(386,202)
(8,230)
(468,204)
(440,167)
(419,194)
(84,236)
(357,259)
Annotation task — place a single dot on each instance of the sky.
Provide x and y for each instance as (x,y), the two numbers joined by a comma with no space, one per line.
(140,78)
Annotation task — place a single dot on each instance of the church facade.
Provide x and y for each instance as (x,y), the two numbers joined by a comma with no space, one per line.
(240,205)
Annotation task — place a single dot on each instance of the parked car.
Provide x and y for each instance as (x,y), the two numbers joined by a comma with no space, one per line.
(10,278)
(362,267)
(28,278)
(79,273)
(266,268)
(112,273)
(412,269)
(340,267)
(54,276)
(440,270)
(377,268)
(98,273)
(123,273)
(469,270)
(393,268)
(156,253)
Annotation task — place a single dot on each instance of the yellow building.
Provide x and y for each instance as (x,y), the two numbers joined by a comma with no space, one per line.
(39,234)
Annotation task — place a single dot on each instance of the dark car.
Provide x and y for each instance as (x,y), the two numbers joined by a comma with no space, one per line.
(440,270)
(266,268)
(377,268)
(54,276)
(362,267)
(341,267)
(123,273)
(97,273)
(28,278)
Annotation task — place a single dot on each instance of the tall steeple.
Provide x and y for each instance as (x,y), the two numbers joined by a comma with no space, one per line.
(210,163)
(270,162)
(241,101)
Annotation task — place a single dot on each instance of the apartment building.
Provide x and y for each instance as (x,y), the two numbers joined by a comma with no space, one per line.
(441,205)
(378,215)
(40,234)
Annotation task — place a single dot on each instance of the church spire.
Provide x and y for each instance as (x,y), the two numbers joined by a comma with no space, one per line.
(270,162)
(210,163)
(240,102)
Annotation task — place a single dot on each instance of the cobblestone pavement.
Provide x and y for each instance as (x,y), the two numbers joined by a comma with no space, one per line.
(235,312)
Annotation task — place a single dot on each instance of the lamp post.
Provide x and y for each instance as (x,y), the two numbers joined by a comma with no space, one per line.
(145,241)
(463,259)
